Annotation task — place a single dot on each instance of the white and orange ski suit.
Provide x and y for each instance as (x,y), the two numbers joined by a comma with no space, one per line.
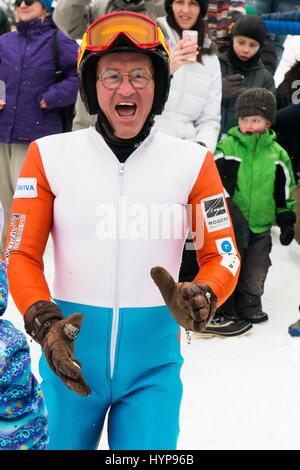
(111,223)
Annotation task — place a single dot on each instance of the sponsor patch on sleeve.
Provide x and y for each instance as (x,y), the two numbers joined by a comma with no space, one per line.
(215,213)
(225,246)
(17,223)
(230,262)
(26,187)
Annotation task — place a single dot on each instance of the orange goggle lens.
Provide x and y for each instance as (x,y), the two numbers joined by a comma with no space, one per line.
(139,29)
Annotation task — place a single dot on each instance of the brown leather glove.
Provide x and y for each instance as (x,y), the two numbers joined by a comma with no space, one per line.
(45,323)
(192,304)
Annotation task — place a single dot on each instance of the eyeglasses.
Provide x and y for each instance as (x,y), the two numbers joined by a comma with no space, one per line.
(28,3)
(139,29)
(112,79)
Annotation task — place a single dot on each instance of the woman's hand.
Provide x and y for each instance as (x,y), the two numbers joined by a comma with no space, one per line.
(2,104)
(183,51)
(43,104)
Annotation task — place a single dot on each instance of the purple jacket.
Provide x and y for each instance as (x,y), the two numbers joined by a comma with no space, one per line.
(28,71)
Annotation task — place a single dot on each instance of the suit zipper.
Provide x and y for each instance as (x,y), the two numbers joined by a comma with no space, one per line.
(115,319)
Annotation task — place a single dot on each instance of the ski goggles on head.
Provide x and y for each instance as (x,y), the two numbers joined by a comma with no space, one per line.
(143,32)
(28,3)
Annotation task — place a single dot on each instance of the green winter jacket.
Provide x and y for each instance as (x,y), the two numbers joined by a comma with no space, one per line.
(257,173)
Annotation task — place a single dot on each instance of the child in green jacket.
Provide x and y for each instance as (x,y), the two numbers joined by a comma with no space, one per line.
(257,173)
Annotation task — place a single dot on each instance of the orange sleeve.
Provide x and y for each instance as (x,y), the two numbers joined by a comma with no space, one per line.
(29,228)
(211,225)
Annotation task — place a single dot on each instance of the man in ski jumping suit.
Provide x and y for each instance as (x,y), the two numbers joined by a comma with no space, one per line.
(107,194)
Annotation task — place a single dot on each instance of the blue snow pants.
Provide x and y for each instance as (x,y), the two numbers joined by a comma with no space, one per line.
(141,395)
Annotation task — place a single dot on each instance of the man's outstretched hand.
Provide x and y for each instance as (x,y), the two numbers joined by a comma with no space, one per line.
(45,323)
(58,346)
(192,304)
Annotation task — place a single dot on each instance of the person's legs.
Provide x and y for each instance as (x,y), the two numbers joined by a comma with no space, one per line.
(241,231)
(18,152)
(146,385)
(148,416)
(252,278)
(74,422)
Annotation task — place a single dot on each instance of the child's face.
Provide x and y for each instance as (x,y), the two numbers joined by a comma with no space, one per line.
(245,48)
(253,124)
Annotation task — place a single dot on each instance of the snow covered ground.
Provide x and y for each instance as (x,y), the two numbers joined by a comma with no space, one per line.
(239,393)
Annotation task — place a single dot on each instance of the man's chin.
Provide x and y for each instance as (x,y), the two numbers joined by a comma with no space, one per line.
(126,132)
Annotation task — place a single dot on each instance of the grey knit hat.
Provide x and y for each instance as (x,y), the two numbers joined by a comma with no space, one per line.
(256,101)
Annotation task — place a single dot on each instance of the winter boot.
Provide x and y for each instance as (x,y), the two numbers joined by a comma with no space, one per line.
(224,328)
(294,329)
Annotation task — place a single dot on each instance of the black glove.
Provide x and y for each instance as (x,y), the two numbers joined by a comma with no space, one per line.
(232,85)
(45,323)
(286,234)
(286,221)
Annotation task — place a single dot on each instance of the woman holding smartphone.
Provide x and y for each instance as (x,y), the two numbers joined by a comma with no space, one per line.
(193,110)
(30,94)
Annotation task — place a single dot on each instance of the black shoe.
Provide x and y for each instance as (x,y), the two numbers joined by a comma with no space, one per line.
(225,329)
(254,317)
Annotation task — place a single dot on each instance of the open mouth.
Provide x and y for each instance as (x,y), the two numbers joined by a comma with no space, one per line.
(126,110)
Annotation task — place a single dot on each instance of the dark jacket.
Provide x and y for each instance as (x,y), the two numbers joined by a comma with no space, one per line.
(287,127)
(4,23)
(28,71)
(289,87)
(268,54)
(256,75)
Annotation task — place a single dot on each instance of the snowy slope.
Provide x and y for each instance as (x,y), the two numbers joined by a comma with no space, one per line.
(239,393)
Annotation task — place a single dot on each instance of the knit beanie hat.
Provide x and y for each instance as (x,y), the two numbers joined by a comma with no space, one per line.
(47,4)
(203,5)
(256,101)
(250,26)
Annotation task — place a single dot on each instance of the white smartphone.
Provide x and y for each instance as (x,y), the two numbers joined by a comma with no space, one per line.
(2,91)
(193,35)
